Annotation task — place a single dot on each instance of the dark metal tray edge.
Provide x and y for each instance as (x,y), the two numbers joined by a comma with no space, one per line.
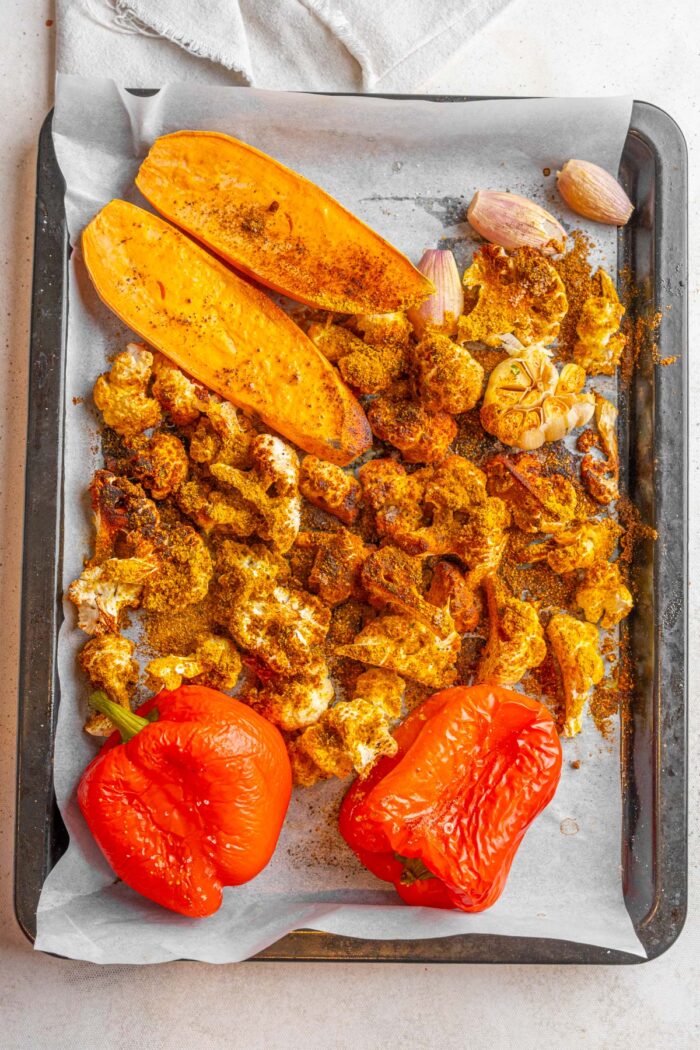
(40,835)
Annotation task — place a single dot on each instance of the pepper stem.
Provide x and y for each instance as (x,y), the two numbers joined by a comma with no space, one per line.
(126,722)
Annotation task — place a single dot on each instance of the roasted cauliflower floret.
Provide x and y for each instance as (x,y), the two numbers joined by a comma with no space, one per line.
(103,592)
(354,734)
(519,292)
(339,557)
(578,547)
(394,496)
(420,435)
(446,376)
(109,664)
(180,396)
(394,580)
(453,590)
(603,595)
(215,662)
(222,434)
(600,343)
(601,475)
(122,393)
(382,329)
(126,521)
(278,627)
(515,641)
(369,368)
(575,646)
(270,489)
(295,701)
(159,463)
(213,510)
(408,647)
(537,501)
(527,402)
(331,488)
(184,570)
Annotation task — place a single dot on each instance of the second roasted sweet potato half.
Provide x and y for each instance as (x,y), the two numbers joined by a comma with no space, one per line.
(275,225)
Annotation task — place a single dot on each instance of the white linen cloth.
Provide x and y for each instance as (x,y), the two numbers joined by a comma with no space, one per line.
(313,45)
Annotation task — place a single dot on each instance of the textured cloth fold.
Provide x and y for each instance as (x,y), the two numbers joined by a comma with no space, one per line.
(351,45)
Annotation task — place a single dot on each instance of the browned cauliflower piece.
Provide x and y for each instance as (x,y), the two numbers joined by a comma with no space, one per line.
(578,547)
(295,701)
(394,496)
(109,664)
(339,557)
(368,366)
(184,570)
(122,393)
(159,463)
(538,500)
(603,595)
(382,329)
(452,589)
(351,735)
(215,662)
(519,293)
(213,510)
(180,396)
(222,434)
(408,647)
(126,520)
(515,641)
(527,402)
(331,488)
(601,475)
(420,435)
(103,592)
(270,489)
(446,376)
(576,647)
(600,342)
(278,627)
(394,580)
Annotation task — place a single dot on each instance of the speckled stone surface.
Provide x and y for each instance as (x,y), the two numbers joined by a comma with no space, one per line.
(642,48)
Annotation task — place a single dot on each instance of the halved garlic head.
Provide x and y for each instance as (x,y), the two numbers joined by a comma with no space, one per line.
(527,403)
(518,293)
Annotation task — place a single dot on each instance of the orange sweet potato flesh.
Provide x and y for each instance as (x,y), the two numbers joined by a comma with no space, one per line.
(276,226)
(221,330)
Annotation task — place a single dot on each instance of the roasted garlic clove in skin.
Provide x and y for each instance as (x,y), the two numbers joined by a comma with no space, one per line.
(527,402)
(593,192)
(513,221)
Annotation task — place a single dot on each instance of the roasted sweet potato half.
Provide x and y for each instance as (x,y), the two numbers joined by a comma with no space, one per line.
(224,332)
(276,226)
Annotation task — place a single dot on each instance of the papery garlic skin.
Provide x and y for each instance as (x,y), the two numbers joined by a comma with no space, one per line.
(512,221)
(593,192)
(441,310)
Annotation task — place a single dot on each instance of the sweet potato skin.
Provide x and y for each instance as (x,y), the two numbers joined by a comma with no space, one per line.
(221,330)
(276,226)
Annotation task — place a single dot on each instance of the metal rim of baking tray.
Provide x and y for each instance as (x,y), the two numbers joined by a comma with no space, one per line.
(654,773)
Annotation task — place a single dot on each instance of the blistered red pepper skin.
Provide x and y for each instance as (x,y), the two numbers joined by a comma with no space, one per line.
(475,766)
(193,802)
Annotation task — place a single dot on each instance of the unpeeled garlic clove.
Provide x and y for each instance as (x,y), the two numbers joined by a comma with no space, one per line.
(441,310)
(512,221)
(593,192)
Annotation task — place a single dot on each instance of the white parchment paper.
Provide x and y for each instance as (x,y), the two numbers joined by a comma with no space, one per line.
(408,169)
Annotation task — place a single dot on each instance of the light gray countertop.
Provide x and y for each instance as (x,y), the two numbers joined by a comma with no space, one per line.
(636,47)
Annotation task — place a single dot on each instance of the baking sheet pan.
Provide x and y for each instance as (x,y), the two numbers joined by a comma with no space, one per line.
(653,449)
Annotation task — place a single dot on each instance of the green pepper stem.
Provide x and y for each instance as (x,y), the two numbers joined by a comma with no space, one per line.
(126,722)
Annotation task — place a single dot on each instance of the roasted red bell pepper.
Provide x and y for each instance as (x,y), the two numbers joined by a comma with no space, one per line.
(443,818)
(192,800)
